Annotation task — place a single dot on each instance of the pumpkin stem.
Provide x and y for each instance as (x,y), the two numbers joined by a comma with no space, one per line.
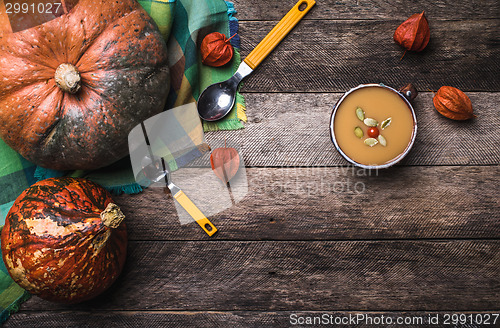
(68,78)
(112,216)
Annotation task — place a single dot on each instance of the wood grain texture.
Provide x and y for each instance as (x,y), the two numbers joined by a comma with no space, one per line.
(335,56)
(288,129)
(421,237)
(303,276)
(371,9)
(337,203)
(235,319)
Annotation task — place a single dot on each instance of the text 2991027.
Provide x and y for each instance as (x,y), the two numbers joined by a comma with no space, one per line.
(33,8)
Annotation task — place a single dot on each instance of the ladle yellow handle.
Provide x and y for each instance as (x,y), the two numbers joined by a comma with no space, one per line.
(273,38)
(195,212)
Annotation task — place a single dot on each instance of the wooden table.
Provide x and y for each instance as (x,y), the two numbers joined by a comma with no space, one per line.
(419,239)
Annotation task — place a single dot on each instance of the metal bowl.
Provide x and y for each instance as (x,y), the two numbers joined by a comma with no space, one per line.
(407,93)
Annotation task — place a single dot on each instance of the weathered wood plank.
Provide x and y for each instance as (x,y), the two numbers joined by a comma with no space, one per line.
(371,9)
(293,130)
(338,203)
(335,56)
(303,276)
(247,319)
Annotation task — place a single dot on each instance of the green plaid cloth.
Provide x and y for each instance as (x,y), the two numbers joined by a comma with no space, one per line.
(18,174)
(196,75)
(183,23)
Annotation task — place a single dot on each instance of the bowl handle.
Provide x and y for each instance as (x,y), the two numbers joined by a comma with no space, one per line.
(409,92)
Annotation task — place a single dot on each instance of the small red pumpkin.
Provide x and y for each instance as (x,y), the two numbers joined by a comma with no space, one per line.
(72,88)
(64,240)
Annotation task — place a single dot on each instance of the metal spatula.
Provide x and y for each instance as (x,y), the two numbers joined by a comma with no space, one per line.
(155,169)
(164,143)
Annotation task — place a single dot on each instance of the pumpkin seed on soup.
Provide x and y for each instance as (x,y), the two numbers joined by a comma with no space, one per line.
(371,142)
(386,123)
(360,113)
(358,132)
(370,122)
(382,140)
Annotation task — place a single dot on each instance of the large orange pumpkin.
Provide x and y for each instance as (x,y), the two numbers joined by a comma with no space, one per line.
(64,240)
(73,87)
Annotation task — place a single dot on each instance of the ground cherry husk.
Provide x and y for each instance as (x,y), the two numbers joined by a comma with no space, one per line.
(225,162)
(453,103)
(373,132)
(216,50)
(413,34)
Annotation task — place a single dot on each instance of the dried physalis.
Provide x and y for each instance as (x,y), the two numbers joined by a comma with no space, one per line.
(216,50)
(453,103)
(225,163)
(413,34)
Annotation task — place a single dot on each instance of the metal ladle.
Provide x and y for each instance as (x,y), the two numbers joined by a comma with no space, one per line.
(217,100)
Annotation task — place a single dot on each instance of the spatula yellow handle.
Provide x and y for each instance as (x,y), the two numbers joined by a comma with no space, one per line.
(195,212)
(285,25)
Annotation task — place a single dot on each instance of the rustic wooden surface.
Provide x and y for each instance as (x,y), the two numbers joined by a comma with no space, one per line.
(418,240)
